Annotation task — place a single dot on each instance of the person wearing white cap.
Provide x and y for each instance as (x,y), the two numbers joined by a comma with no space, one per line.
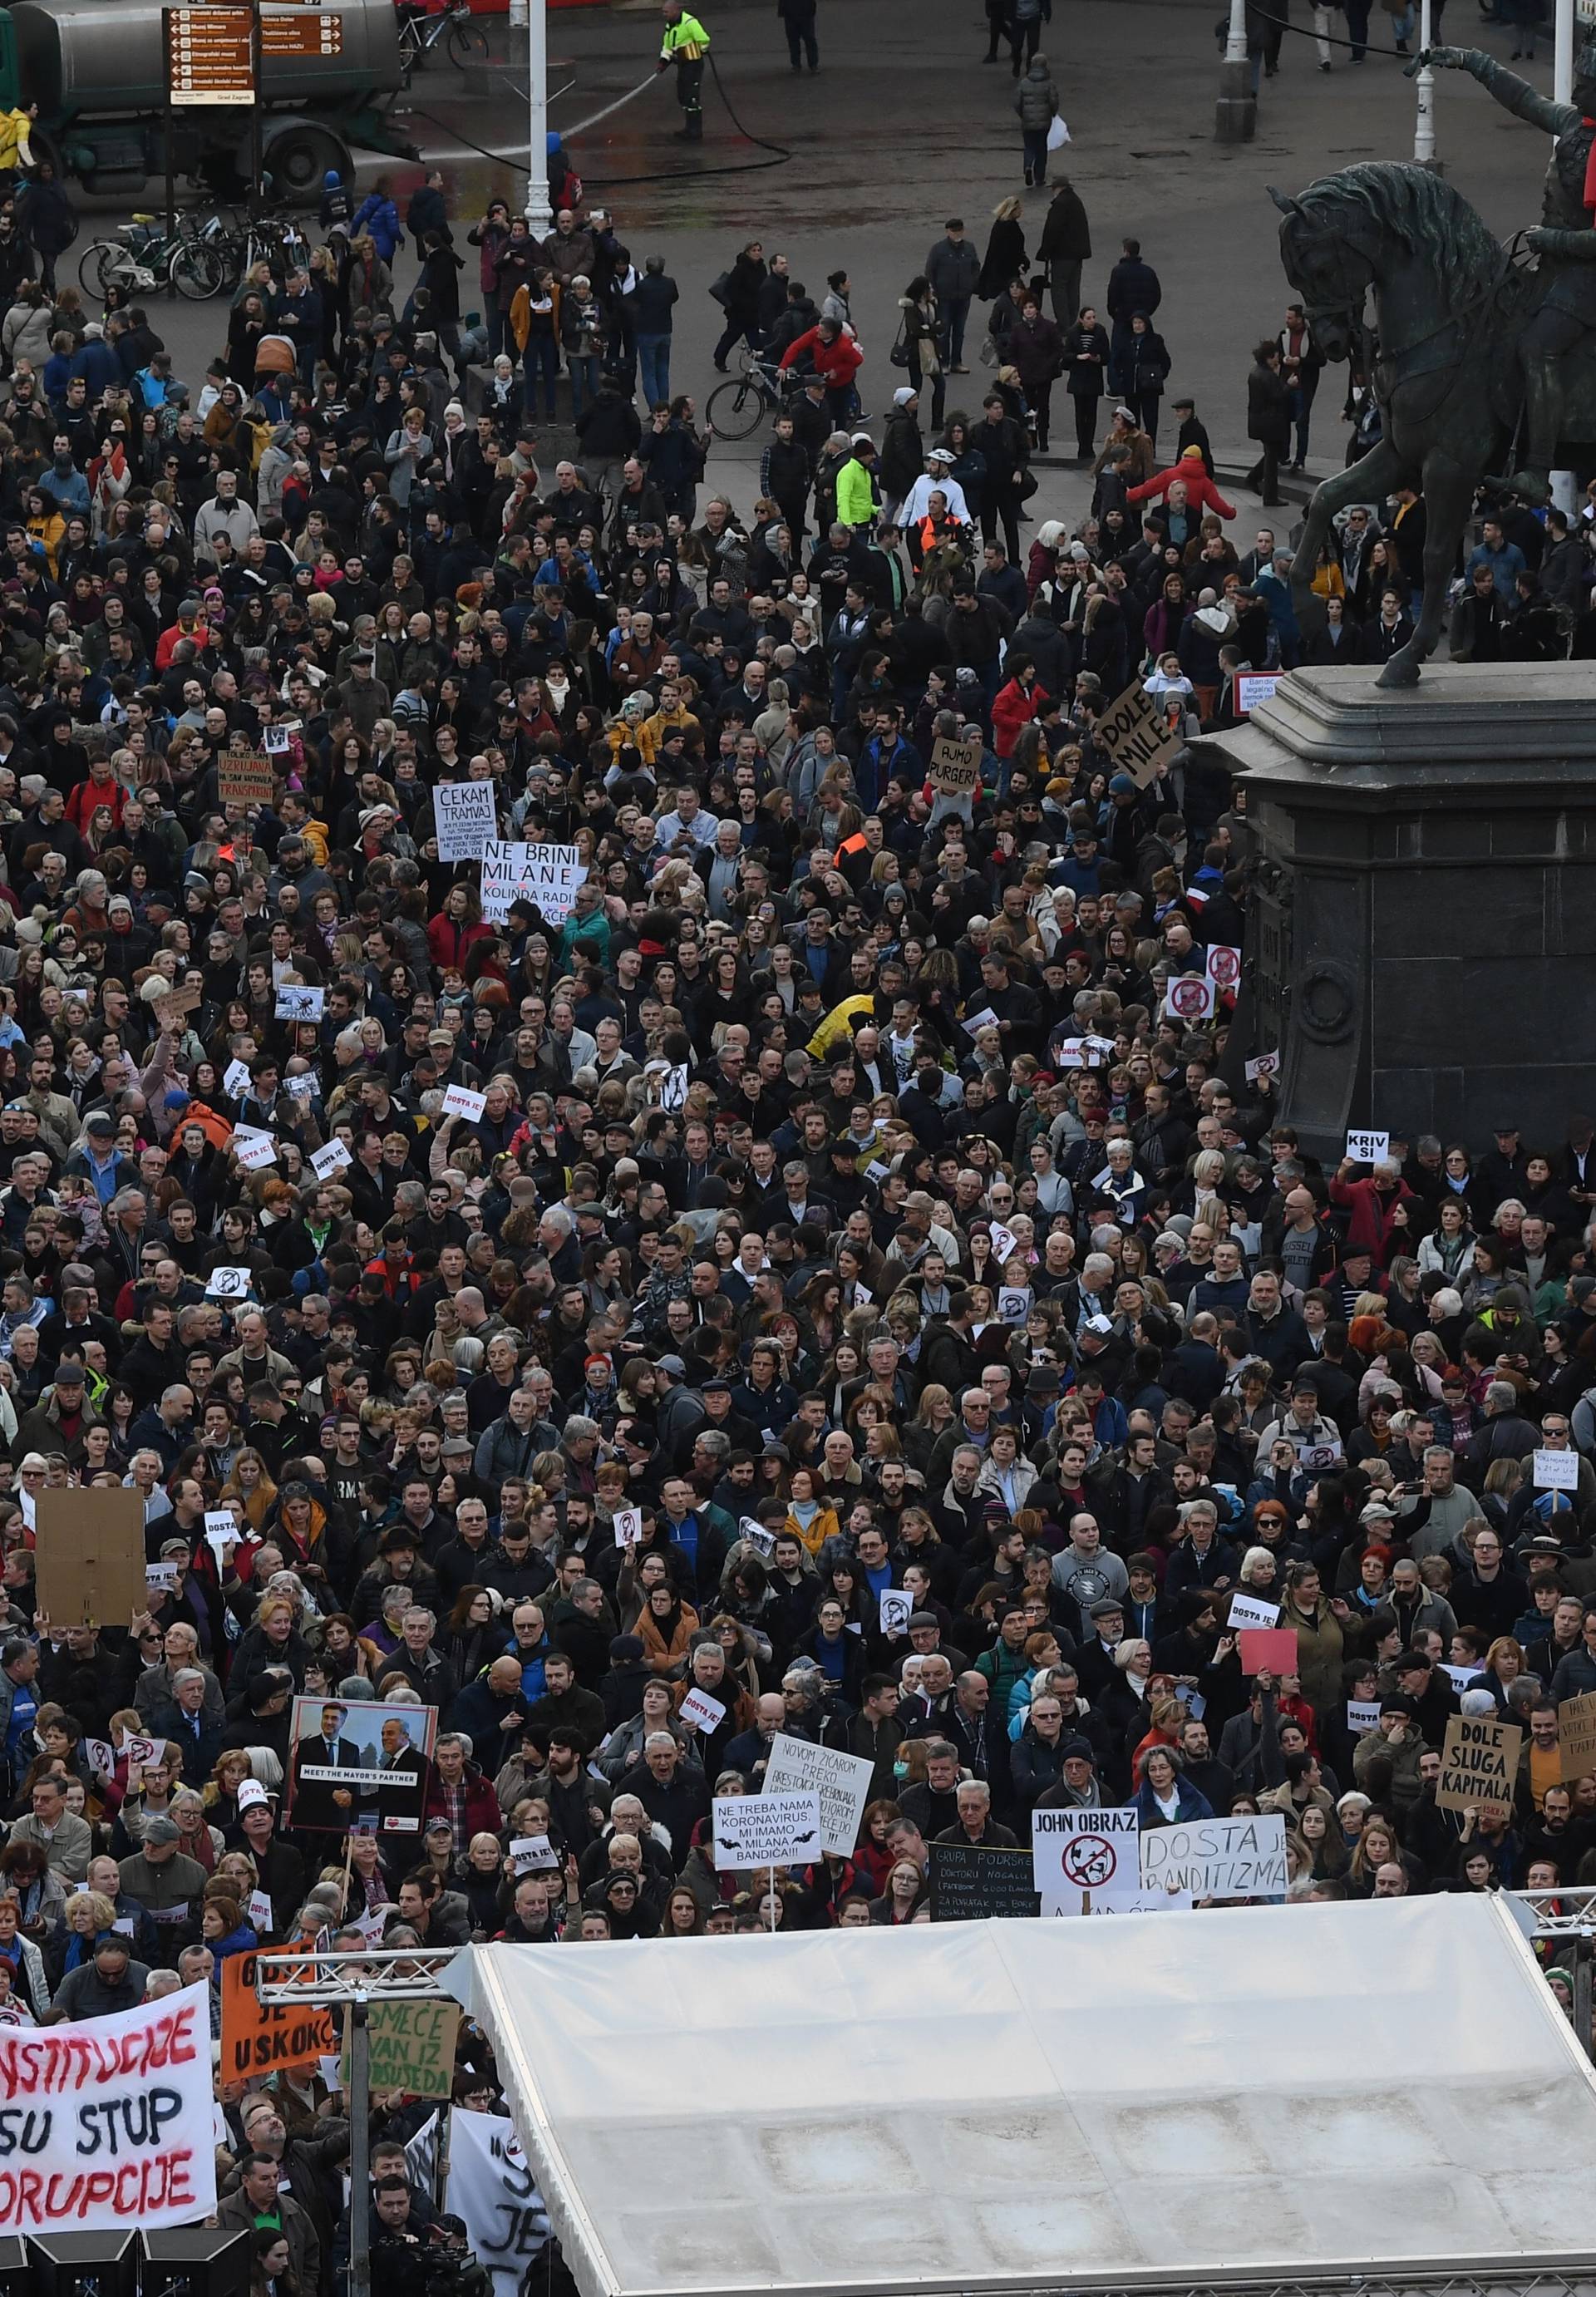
(939,464)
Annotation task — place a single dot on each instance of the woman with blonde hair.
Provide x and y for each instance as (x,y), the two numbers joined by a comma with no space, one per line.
(250,1483)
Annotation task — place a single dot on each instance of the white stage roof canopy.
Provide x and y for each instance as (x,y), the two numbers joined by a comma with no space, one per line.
(995,2106)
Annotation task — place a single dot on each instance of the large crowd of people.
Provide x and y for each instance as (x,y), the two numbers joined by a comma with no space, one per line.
(844,1199)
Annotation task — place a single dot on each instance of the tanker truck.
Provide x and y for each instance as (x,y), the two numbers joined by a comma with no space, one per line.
(96,70)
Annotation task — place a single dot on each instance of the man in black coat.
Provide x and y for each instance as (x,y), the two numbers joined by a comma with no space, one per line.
(1065,245)
(1268,421)
(1133,286)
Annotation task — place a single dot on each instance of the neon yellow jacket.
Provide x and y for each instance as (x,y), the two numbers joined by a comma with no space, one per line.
(15,127)
(685,41)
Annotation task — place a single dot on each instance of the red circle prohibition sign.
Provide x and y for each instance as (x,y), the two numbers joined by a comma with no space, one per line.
(1089,1862)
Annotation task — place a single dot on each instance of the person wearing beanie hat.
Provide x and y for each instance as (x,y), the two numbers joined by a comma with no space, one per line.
(859,486)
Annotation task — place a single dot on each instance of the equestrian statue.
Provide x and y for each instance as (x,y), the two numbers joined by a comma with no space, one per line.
(1476,360)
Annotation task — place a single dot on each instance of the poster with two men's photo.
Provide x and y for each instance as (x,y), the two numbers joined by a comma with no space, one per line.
(360,1767)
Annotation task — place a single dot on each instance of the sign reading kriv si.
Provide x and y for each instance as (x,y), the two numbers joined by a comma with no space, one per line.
(767,1829)
(1217,1858)
(841,1781)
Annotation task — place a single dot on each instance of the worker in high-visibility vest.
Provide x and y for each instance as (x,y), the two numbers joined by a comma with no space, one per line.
(686,44)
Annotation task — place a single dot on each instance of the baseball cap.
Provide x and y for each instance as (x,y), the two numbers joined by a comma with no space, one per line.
(674,1366)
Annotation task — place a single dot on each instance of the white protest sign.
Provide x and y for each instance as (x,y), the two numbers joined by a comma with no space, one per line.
(276,741)
(492,2187)
(159,1579)
(767,1829)
(1084,1860)
(1368,1148)
(546,874)
(502,865)
(302,1003)
(1005,1243)
(1224,965)
(756,1535)
(897,1608)
(1267,1065)
(103,1763)
(138,1751)
(1251,1611)
(1188,997)
(228,1283)
(260,1911)
(330,1159)
(467,817)
(255,1151)
(459,1101)
(1013,1304)
(116,2113)
(237,1080)
(1255,687)
(221,1533)
(301,1088)
(1217,1858)
(1557,1471)
(1362,1715)
(699,1707)
(841,1781)
(628,1526)
(533,1854)
(985,1019)
(1462,1678)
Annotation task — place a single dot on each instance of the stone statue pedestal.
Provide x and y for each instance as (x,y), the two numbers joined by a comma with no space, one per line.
(1424,922)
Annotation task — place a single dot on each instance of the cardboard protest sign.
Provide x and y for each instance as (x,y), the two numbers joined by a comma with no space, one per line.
(89,1559)
(1217,1858)
(1368,1148)
(1137,734)
(1576,1735)
(955,767)
(841,1781)
(261,2038)
(459,1101)
(1274,1649)
(467,817)
(1556,1471)
(329,1159)
(1479,1765)
(1084,1860)
(109,2122)
(412,2047)
(358,1762)
(766,1830)
(302,1003)
(245,780)
(969,1884)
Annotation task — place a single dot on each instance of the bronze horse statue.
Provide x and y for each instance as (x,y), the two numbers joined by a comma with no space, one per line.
(1449,304)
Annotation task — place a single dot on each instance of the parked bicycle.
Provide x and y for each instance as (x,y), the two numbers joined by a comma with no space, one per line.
(453,30)
(144,256)
(736,408)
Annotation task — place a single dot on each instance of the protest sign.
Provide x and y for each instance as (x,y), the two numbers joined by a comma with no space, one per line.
(1556,1471)
(534,1854)
(160,1579)
(1136,733)
(103,1763)
(1479,1765)
(492,2189)
(255,1151)
(358,1762)
(329,1159)
(1271,1649)
(264,2038)
(412,2047)
(302,1003)
(236,1079)
(1013,1304)
(755,1533)
(955,767)
(1368,1148)
(1005,1243)
(767,1829)
(1362,1715)
(1251,1611)
(546,874)
(699,1707)
(1188,997)
(303,1085)
(1084,1860)
(1462,1678)
(1254,687)
(229,1284)
(89,1561)
(1267,1065)
(1576,1735)
(459,1101)
(841,1781)
(136,1751)
(467,817)
(897,1608)
(108,2122)
(244,780)
(260,1914)
(1217,1858)
(1223,966)
(969,1884)
(628,1526)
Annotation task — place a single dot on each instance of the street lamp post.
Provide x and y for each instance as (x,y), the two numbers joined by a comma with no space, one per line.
(1236,114)
(532,14)
(1424,126)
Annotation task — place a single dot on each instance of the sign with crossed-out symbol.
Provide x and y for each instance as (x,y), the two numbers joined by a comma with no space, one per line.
(1089,1862)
